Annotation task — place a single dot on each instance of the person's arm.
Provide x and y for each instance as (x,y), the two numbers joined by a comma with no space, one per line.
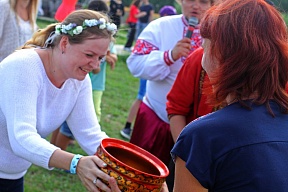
(151,16)
(140,14)
(87,169)
(111,60)
(83,122)
(177,123)
(111,57)
(151,63)
(22,129)
(184,180)
(184,93)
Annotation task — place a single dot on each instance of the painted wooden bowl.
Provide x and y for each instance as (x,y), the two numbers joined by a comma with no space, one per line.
(134,168)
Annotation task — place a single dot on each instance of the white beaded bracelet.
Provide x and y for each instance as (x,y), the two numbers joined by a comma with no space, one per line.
(74,163)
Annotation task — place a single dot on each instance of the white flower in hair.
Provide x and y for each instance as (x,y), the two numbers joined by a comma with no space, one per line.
(91,22)
(102,23)
(73,29)
(111,27)
(68,27)
(63,30)
(78,30)
(58,29)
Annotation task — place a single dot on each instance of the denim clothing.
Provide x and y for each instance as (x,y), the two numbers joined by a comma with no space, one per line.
(64,129)
(139,28)
(9,185)
(142,89)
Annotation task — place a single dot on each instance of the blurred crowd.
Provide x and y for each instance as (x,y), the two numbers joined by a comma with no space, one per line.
(48,8)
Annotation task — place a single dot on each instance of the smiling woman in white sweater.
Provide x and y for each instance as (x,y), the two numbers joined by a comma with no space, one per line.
(53,88)
(17,24)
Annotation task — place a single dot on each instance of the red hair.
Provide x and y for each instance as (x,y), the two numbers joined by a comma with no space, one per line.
(249,39)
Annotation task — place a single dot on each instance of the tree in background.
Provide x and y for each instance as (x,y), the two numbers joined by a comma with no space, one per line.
(282,4)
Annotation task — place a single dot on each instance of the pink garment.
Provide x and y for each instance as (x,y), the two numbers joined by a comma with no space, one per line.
(66,7)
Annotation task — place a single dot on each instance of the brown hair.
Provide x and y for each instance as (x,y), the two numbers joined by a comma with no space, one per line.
(136,3)
(39,38)
(249,40)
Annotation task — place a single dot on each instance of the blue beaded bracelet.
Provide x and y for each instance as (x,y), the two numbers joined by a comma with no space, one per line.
(74,163)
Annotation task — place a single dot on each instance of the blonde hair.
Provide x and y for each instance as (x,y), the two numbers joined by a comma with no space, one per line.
(32,11)
(40,37)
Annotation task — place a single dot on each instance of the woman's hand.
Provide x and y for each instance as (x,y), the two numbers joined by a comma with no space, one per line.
(164,187)
(89,172)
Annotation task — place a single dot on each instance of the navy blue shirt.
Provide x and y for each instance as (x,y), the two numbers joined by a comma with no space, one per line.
(147,8)
(237,150)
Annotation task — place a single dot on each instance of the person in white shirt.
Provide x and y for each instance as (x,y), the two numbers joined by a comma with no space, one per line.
(44,84)
(158,55)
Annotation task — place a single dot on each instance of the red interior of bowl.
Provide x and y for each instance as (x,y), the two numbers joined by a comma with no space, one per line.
(134,157)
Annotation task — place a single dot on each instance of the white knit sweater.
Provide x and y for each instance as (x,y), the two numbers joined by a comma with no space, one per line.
(31,107)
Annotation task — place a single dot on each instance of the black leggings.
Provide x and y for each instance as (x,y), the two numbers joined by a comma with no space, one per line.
(9,185)
(131,35)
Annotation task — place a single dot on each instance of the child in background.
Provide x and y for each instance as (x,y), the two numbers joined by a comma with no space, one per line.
(98,76)
(134,15)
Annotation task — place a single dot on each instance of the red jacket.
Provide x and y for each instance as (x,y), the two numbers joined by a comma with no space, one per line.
(133,12)
(184,97)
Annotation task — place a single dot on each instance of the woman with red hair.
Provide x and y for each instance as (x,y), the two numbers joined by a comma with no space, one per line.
(243,146)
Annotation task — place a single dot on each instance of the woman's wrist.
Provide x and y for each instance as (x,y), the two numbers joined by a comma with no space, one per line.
(74,163)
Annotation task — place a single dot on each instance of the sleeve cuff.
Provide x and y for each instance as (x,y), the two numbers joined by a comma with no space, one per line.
(168,57)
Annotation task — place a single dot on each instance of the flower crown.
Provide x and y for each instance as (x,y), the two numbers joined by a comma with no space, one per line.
(72,28)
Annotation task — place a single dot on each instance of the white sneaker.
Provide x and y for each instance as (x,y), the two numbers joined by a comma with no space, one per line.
(127,49)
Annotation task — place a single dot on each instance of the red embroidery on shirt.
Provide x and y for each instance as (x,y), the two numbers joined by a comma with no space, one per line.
(143,47)
(167,59)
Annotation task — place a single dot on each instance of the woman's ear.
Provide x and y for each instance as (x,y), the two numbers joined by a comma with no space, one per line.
(64,41)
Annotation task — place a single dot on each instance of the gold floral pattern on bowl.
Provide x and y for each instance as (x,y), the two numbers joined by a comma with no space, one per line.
(134,168)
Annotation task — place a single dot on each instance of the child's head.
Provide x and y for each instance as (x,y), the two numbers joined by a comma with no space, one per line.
(167,10)
(98,5)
